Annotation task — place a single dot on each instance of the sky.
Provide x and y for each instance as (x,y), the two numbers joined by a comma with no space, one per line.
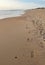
(21,4)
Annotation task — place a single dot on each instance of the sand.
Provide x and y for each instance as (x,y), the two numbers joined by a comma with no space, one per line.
(22,39)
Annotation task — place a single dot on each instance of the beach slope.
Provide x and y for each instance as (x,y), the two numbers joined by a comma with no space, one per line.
(22,39)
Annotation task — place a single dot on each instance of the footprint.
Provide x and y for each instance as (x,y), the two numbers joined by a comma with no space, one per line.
(15,57)
(27,27)
(40,32)
(41,45)
(44,36)
(28,39)
(32,54)
(29,32)
(33,21)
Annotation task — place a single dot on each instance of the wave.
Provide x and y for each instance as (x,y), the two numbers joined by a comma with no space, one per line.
(10,13)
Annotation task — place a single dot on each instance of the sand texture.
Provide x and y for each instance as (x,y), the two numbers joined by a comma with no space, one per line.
(22,39)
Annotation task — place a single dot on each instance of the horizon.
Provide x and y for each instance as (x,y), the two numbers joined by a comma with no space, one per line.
(21,9)
(21,4)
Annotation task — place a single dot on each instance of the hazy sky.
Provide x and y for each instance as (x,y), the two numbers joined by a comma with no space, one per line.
(21,4)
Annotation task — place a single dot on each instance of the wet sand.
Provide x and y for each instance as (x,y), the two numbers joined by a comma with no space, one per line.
(22,39)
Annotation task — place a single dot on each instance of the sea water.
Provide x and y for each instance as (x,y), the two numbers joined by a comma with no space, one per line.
(10,13)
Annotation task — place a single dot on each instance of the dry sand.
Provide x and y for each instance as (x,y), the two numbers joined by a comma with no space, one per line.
(22,39)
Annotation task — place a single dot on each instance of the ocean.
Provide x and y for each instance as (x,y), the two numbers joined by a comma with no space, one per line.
(10,13)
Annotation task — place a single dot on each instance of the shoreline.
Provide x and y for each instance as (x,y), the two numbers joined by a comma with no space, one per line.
(22,14)
(9,14)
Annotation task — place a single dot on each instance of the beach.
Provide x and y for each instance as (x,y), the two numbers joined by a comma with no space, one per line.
(22,39)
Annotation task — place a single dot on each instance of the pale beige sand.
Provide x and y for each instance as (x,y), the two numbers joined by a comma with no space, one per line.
(22,39)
